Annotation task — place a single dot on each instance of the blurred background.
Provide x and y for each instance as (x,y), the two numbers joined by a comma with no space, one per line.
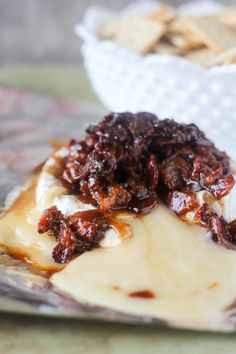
(42,30)
(40,53)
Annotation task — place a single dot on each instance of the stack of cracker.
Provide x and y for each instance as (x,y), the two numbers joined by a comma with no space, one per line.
(206,40)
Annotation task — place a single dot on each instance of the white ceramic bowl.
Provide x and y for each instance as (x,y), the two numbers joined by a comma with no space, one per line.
(169,86)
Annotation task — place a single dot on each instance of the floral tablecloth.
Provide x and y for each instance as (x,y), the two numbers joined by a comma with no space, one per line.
(29,122)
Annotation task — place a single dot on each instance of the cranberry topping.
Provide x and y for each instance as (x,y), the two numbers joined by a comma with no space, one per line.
(75,234)
(129,162)
(143,294)
(221,232)
(122,161)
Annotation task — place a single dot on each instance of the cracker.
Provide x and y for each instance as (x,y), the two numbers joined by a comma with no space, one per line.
(180,25)
(228,17)
(167,48)
(163,14)
(193,39)
(183,42)
(227,57)
(203,57)
(140,34)
(109,29)
(213,33)
(204,40)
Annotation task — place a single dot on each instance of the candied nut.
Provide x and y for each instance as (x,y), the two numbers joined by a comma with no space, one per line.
(182,203)
(130,161)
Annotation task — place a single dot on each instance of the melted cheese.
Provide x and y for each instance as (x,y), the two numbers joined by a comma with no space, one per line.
(228,205)
(18,227)
(193,279)
(18,231)
(225,207)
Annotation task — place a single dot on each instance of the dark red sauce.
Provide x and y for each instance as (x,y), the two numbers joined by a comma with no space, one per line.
(122,161)
(143,294)
(75,234)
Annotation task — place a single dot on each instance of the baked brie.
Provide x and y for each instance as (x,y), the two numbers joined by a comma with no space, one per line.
(138,217)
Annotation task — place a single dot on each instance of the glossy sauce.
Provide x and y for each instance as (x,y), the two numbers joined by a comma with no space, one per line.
(15,217)
(170,257)
(168,269)
(26,259)
(31,247)
(122,227)
(143,294)
(57,144)
(57,169)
